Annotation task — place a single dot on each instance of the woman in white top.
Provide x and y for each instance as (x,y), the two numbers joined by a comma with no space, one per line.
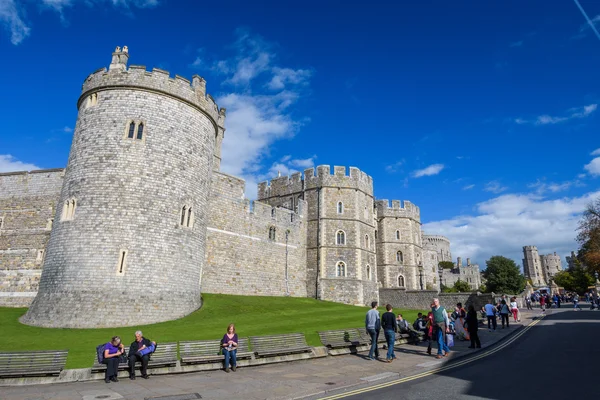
(515,309)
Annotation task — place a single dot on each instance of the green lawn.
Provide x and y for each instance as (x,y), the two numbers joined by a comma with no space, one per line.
(252,316)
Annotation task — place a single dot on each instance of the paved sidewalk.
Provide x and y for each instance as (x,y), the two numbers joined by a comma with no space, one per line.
(276,381)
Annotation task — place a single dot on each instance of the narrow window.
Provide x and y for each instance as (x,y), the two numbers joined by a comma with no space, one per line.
(122,263)
(183,213)
(272,233)
(400,281)
(292,217)
(340,238)
(375,235)
(367,241)
(72,209)
(140,131)
(1,222)
(49,223)
(40,256)
(340,269)
(273,212)
(340,207)
(397,235)
(189,218)
(131,130)
(368,272)
(399,257)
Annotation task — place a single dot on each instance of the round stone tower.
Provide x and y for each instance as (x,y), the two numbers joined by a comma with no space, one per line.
(128,242)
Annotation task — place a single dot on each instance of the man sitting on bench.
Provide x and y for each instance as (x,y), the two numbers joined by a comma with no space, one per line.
(140,343)
(405,327)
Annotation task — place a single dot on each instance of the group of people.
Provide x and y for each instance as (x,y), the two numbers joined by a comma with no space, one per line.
(557,299)
(435,326)
(113,353)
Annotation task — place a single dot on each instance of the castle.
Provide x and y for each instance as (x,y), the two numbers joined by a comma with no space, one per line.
(142,221)
(540,269)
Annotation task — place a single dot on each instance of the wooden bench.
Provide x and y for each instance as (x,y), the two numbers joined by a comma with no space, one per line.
(164,356)
(274,345)
(367,338)
(32,363)
(210,351)
(342,338)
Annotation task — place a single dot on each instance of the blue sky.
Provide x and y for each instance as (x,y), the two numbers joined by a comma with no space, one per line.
(484,114)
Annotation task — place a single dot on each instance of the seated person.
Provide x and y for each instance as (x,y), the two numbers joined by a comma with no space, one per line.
(405,327)
(140,343)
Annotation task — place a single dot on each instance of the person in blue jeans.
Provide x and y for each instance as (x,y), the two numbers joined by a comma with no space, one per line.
(230,344)
(389,326)
(373,325)
(441,325)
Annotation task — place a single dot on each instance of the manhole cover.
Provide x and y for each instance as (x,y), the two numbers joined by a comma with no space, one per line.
(330,383)
(188,396)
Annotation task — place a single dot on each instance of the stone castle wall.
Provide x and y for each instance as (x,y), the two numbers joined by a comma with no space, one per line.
(421,300)
(27,205)
(240,256)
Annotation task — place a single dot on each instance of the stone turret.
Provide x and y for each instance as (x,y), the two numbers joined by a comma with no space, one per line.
(128,242)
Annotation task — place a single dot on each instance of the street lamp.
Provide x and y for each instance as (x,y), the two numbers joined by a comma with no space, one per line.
(596,275)
(440,272)
(421,274)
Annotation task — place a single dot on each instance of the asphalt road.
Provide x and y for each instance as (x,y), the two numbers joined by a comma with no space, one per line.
(557,358)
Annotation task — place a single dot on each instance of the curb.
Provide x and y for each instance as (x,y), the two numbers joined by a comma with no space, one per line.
(356,385)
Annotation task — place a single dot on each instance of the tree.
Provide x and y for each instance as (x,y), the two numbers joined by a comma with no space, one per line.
(503,276)
(462,286)
(448,289)
(589,236)
(565,279)
(483,289)
(446,264)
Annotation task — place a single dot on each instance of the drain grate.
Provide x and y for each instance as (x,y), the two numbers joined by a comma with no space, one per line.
(188,396)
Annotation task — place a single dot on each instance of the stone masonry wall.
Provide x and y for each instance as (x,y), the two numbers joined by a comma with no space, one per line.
(421,300)
(27,205)
(241,258)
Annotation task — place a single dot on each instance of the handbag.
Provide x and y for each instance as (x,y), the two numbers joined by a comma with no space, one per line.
(450,340)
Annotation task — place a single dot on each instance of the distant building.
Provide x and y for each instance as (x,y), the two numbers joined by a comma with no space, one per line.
(540,269)
(467,273)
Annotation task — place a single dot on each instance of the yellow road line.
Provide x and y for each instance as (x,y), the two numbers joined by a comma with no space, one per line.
(437,370)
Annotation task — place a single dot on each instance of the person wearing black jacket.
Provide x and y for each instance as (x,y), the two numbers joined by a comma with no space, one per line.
(389,326)
(138,344)
(472,325)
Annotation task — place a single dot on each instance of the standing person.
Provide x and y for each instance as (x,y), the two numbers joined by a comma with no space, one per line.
(514,308)
(441,327)
(490,313)
(528,302)
(230,344)
(576,302)
(112,352)
(472,325)
(504,311)
(459,322)
(429,331)
(389,326)
(140,343)
(558,301)
(373,325)
(543,303)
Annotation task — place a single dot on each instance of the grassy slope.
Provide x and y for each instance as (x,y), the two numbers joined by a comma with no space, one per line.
(253,316)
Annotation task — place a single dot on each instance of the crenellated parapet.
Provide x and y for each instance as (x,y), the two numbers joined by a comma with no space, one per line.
(436,238)
(118,76)
(313,178)
(398,209)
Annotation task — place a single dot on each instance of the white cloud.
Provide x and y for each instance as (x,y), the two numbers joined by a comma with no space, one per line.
(11,12)
(573,113)
(395,167)
(10,18)
(255,118)
(542,187)
(197,63)
(468,187)
(283,76)
(517,44)
(586,28)
(10,164)
(494,187)
(503,225)
(595,152)
(433,169)
(593,167)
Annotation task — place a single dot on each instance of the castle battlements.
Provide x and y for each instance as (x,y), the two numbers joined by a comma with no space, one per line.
(398,209)
(316,178)
(435,238)
(159,81)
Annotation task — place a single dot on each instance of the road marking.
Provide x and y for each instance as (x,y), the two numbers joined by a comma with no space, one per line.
(451,365)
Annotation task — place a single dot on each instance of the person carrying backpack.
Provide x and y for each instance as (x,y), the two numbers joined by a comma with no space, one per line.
(504,313)
(109,354)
